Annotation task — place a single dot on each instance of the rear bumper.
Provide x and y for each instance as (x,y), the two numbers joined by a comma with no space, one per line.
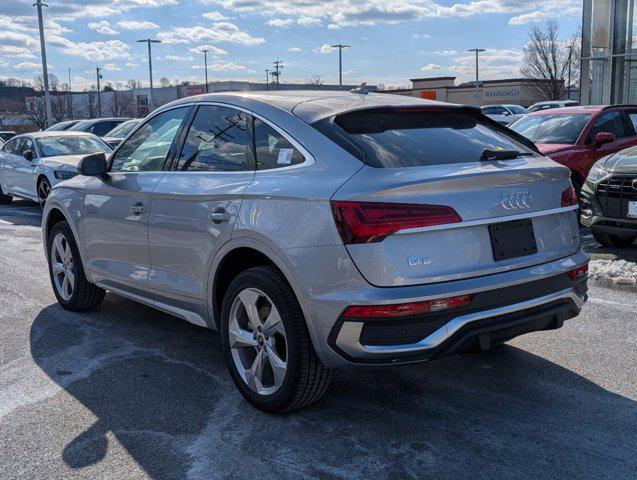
(507,304)
(470,330)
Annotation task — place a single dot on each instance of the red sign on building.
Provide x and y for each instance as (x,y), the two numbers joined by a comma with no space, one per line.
(195,90)
(428,94)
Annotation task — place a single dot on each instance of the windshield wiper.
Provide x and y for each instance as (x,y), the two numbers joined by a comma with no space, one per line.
(490,155)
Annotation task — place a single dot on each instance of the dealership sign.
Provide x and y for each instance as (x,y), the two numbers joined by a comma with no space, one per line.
(502,93)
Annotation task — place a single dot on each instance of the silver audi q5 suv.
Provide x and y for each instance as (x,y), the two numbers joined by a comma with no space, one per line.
(317,230)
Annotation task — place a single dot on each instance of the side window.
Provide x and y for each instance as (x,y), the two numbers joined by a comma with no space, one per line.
(631,116)
(217,141)
(610,122)
(102,128)
(488,110)
(148,148)
(12,146)
(27,144)
(273,150)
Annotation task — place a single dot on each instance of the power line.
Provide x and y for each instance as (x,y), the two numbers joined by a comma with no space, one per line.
(278,66)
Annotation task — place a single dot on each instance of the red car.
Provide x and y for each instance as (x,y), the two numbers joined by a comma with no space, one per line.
(579,136)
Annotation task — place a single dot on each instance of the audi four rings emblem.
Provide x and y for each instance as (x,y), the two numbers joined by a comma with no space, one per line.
(517,200)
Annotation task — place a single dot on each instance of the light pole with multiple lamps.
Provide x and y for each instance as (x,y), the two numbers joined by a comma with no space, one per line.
(477,51)
(340,47)
(45,69)
(151,103)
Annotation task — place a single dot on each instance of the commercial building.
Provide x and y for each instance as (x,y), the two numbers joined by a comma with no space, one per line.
(518,91)
(609,52)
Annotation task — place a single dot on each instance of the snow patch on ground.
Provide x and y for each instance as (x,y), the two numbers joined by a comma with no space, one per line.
(617,271)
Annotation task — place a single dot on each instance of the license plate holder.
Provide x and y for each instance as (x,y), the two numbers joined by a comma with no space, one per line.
(632,209)
(512,239)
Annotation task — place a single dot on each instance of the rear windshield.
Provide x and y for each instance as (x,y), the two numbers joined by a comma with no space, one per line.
(71,145)
(392,138)
(560,128)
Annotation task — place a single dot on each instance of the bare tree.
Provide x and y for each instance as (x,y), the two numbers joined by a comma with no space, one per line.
(314,80)
(36,112)
(122,104)
(164,82)
(547,59)
(88,106)
(133,84)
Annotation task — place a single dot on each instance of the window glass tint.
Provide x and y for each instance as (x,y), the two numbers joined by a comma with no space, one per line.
(632,118)
(102,128)
(12,146)
(415,137)
(217,141)
(123,129)
(558,128)
(26,144)
(610,122)
(273,150)
(71,145)
(496,110)
(517,110)
(147,148)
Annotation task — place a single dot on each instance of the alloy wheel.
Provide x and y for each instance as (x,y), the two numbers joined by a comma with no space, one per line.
(257,341)
(62,266)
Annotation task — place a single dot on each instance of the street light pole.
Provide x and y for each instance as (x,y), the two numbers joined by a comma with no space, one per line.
(340,47)
(99,95)
(570,52)
(267,79)
(477,50)
(151,103)
(45,68)
(205,60)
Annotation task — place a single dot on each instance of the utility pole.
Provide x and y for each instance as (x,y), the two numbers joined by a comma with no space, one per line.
(151,103)
(205,60)
(340,47)
(570,52)
(477,50)
(267,79)
(278,66)
(45,67)
(99,95)
(70,97)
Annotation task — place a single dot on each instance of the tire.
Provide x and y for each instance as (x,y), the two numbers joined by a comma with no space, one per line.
(609,240)
(305,379)
(5,199)
(82,295)
(44,188)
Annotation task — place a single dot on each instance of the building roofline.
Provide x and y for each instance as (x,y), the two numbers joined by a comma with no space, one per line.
(431,78)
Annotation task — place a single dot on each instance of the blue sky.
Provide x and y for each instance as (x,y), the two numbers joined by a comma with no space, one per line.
(391,40)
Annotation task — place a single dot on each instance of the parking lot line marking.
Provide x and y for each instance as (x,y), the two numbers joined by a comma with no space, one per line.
(620,305)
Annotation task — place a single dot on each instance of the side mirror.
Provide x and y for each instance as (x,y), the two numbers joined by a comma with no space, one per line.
(29,155)
(93,165)
(604,137)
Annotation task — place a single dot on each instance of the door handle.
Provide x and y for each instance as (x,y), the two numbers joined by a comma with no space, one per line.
(138,208)
(219,216)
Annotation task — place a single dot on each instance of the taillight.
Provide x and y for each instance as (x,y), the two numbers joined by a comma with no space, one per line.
(367,222)
(569,197)
(578,272)
(406,309)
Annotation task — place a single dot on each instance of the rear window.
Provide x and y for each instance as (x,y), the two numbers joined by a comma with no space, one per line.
(393,138)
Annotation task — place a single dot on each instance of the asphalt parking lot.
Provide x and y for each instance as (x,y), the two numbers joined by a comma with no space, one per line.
(129,392)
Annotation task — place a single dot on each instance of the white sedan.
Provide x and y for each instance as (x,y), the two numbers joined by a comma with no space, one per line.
(32,163)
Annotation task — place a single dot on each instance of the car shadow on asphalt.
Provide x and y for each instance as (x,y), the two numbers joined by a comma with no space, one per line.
(597,251)
(160,387)
(21,212)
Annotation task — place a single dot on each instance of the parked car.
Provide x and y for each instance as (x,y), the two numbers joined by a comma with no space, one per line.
(609,199)
(579,136)
(552,104)
(318,230)
(504,114)
(62,126)
(6,135)
(31,164)
(98,126)
(120,132)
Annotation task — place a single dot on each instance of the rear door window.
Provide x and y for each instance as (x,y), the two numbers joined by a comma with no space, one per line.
(273,150)
(410,137)
(611,122)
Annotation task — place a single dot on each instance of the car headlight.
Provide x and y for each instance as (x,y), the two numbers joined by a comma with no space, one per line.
(64,174)
(598,171)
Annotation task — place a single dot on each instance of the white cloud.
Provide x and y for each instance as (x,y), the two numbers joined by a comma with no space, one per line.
(108,50)
(530,18)
(294,50)
(325,48)
(176,58)
(422,36)
(28,66)
(446,53)
(102,27)
(222,67)
(220,32)
(308,21)
(212,50)
(111,67)
(280,22)
(216,16)
(430,67)
(135,25)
